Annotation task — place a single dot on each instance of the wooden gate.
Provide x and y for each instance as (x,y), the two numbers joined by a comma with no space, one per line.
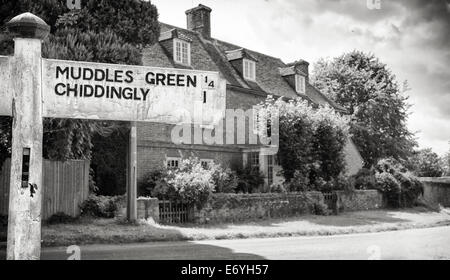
(330,199)
(174,212)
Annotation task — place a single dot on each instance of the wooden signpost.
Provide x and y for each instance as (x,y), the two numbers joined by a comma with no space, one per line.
(33,88)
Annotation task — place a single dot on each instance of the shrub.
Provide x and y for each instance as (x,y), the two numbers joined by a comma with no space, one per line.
(192,183)
(152,180)
(411,188)
(320,208)
(61,218)
(298,183)
(225,180)
(249,179)
(389,186)
(364,179)
(426,163)
(278,188)
(301,183)
(100,206)
(400,187)
(311,141)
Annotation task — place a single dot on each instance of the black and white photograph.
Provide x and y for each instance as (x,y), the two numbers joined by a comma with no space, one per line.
(200,131)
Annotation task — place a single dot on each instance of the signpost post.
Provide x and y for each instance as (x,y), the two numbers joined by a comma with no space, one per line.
(132,180)
(37,88)
(24,218)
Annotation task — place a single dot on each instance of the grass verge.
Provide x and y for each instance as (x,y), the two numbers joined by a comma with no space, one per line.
(111,231)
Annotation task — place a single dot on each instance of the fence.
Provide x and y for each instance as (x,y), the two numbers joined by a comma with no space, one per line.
(65,186)
(174,212)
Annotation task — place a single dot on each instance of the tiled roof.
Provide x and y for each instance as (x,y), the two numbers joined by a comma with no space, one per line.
(174,33)
(238,54)
(215,55)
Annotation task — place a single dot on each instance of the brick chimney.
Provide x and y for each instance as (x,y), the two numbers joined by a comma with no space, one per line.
(199,20)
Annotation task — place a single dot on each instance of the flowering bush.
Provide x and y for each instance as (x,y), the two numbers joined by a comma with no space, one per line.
(364,179)
(189,183)
(399,186)
(225,180)
(311,141)
(389,186)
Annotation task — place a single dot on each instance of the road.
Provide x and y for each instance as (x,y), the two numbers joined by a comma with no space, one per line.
(430,243)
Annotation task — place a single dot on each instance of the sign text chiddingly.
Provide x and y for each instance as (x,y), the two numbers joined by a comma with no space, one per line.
(129,93)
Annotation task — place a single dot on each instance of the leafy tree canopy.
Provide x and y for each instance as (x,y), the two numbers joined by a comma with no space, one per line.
(109,31)
(426,163)
(378,107)
(446,161)
(311,142)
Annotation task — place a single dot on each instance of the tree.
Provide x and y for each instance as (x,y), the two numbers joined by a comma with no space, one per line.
(109,31)
(426,163)
(311,141)
(446,163)
(377,106)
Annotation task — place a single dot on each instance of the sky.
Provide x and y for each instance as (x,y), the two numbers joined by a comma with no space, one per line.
(411,36)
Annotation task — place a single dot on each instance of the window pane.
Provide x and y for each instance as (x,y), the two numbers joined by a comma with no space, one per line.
(181,52)
(173,162)
(300,84)
(185,53)
(178,51)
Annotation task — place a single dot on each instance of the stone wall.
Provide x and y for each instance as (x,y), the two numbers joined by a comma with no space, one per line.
(436,190)
(225,208)
(359,200)
(147,207)
(229,208)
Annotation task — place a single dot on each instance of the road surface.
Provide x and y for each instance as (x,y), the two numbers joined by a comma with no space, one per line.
(430,243)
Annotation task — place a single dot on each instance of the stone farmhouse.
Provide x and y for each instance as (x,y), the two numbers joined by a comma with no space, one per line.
(251,76)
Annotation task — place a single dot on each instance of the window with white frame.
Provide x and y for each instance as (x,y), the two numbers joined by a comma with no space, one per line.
(173,162)
(182,52)
(254,160)
(300,84)
(206,162)
(249,70)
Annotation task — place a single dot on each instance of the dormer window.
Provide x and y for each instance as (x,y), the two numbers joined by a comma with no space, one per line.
(249,70)
(182,52)
(300,84)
